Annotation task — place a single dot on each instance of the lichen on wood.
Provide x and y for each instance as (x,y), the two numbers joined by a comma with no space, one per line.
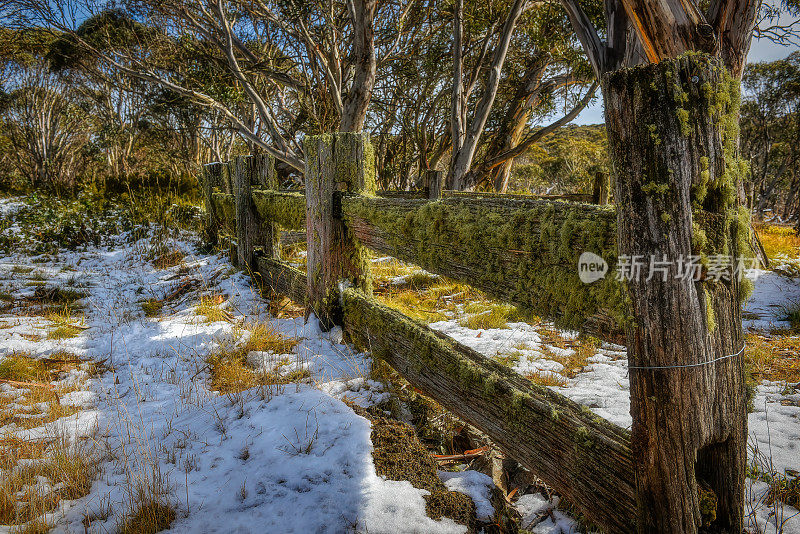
(225,207)
(581,455)
(286,208)
(521,251)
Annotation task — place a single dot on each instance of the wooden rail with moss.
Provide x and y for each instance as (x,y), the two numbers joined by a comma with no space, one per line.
(581,455)
(518,250)
(282,278)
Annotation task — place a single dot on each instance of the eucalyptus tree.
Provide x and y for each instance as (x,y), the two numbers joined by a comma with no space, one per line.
(46,126)
(293,64)
(771,133)
(44,120)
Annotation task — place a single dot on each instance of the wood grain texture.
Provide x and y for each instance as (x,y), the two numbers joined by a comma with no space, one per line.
(209,178)
(282,278)
(285,208)
(672,134)
(523,251)
(334,163)
(252,230)
(579,454)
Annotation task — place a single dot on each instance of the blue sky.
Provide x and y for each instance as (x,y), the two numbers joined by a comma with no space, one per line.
(760,50)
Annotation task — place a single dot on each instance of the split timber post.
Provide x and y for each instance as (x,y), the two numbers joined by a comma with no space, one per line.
(673,134)
(252,232)
(600,188)
(211,179)
(433,183)
(335,163)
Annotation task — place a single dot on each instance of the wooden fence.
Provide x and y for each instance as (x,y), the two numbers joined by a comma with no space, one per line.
(516,249)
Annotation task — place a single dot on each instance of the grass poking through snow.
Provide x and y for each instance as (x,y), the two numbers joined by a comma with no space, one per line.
(228,364)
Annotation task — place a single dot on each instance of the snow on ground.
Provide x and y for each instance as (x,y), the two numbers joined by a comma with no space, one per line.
(772,295)
(603,386)
(293,458)
(287,459)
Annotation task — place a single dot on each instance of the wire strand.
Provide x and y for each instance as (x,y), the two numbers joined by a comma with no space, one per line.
(709,362)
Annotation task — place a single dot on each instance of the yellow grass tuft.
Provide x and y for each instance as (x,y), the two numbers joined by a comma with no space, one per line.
(148,518)
(774,357)
(209,308)
(547,378)
(70,467)
(229,371)
(485,315)
(779,241)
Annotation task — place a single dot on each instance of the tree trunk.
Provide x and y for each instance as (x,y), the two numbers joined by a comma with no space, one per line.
(354,109)
(673,134)
(516,118)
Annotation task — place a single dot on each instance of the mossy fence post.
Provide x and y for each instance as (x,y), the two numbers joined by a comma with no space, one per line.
(210,179)
(600,188)
(335,163)
(251,232)
(673,134)
(433,183)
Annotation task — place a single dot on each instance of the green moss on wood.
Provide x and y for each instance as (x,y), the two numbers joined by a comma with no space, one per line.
(287,209)
(528,256)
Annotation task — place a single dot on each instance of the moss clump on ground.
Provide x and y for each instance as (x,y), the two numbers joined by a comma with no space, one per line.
(152,307)
(399,455)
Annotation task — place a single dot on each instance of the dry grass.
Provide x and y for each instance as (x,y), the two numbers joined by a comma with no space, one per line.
(167,259)
(774,357)
(38,475)
(152,307)
(148,518)
(296,255)
(580,350)
(282,307)
(63,332)
(209,308)
(228,367)
(40,401)
(779,241)
(485,315)
(547,378)
(426,299)
(149,509)
(414,304)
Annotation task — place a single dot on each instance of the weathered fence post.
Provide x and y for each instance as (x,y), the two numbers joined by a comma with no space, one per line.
(673,134)
(433,183)
(338,162)
(251,230)
(265,176)
(209,179)
(600,189)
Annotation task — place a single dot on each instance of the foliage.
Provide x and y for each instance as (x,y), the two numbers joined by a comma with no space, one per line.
(564,162)
(46,223)
(770,127)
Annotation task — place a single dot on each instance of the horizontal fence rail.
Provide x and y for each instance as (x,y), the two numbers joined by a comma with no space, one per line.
(517,249)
